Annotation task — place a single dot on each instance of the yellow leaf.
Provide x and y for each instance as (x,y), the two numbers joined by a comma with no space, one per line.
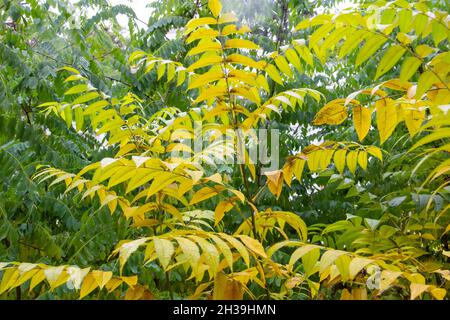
(215,6)
(426,80)
(328,258)
(339,159)
(273,73)
(101,277)
(194,23)
(359,293)
(164,250)
(205,193)
(238,246)
(221,209)
(240,44)
(283,65)
(356,265)
(253,245)
(346,295)
(244,60)
(138,292)
(362,159)
(387,278)
(439,293)
(127,248)
(370,47)
(390,58)
(414,118)
(224,249)
(205,47)
(352,160)
(333,113)
(56,276)
(76,89)
(275,181)
(375,151)
(293,58)
(10,276)
(89,285)
(417,289)
(361,121)
(205,61)
(300,252)
(226,288)
(409,68)
(85,98)
(227,18)
(205,78)
(76,276)
(191,251)
(37,278)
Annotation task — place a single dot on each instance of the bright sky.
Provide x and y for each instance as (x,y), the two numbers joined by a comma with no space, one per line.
(139,7)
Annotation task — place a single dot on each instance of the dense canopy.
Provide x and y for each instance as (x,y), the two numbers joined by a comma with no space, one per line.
(261,149)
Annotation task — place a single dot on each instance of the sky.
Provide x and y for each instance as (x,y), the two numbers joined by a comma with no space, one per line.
(139,7)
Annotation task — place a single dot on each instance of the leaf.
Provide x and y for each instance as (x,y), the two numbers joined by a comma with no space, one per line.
(352,160)
(362,159)
(328,258)
(409,68)
(300,252)
(375,151)
(426,80)
(293,58)
(101,277)
(190,249)
(226,289)
(386,118)
(10,276)
(126,249)
(390,58)
(273,73)
(89,285)
(240,44)
(339,160)
(215,6)
(76,89)
(221,209)
(283,65)
(253,245)
(54,275)
(332,113)
(203,194)
(76,276)
(361,121)
(164,250)
(238,246)
(439,293)
(85,98)
(417,289)
(387,278)
(357,264)
(205,61)
(370,47)
(413,118)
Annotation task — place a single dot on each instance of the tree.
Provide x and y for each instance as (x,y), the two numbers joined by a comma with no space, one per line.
(255,242)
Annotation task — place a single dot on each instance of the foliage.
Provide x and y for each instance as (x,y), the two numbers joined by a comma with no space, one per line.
(123,215)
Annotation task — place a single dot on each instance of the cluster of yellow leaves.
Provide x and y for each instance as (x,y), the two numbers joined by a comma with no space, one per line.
(85,280)
(389,111)
(320,157)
